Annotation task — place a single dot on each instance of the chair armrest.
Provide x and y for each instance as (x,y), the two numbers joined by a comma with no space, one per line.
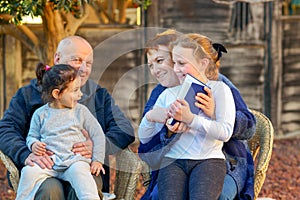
(128,170)
(264,155)
(261,147)
(14,172)
(146,175)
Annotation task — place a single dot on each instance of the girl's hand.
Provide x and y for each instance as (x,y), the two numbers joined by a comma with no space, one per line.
(96,168)
(39,148)
(178,127)
(159,115)
(206,103)
(180,110)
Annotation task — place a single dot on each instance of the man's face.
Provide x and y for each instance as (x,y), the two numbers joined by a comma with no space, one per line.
(79,55)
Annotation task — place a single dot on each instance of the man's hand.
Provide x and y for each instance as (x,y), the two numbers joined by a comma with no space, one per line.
(43,161)
(84,148)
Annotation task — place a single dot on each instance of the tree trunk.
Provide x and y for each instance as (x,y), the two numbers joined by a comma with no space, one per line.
(53,32)
(57,25)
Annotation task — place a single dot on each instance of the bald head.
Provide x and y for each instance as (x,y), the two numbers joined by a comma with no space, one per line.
(71,41)
(77,52)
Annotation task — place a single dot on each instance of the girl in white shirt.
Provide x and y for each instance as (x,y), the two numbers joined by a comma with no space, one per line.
(194,168)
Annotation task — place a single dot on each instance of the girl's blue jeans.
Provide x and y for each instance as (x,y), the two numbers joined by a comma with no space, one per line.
(191,179)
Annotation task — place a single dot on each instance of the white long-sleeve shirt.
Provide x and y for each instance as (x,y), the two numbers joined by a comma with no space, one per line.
(206,136)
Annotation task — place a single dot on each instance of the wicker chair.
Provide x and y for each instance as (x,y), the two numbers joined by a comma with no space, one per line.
(126,180)
(129,168)
(261,148)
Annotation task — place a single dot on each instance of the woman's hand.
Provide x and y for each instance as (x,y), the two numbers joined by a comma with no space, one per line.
(159,115)
(96,168)
(180,110)
(206,103)
(84,148)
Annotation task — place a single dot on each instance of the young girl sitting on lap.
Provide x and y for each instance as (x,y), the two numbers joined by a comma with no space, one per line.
(55,128)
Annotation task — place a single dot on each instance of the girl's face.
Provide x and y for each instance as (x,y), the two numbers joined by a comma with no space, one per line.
(70,96)
(186,63)
(161,66)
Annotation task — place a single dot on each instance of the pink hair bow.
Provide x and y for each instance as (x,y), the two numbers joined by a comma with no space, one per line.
(47,67)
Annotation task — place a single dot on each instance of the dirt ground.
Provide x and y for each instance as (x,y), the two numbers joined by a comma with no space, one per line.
(283,175)
(282,181)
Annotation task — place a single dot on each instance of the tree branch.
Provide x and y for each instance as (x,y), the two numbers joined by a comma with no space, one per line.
(99,9)
(230,2)
(22,33)
(72,23)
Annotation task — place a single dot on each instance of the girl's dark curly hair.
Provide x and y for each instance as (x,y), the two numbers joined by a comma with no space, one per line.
(55,77)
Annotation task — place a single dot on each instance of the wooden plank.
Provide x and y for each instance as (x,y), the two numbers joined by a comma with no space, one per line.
(290,127)
(292,106)
(290,76)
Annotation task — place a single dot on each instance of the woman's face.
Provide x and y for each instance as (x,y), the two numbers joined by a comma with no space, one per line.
(161,66)
(186,63)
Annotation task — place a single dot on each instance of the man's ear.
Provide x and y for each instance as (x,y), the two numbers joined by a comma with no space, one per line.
(55,93)
(57,56)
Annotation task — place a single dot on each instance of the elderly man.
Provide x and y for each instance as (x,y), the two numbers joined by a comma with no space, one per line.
(77,52)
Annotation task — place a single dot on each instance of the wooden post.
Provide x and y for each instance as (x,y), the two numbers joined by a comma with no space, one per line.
(13,67)
(2,92)
(276,109)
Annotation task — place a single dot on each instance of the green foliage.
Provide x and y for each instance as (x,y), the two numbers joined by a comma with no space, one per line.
(19,8)
(143,3)
(75,6)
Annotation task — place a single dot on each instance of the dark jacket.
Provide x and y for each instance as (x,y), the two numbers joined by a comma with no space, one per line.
(15,123)
(239,160)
